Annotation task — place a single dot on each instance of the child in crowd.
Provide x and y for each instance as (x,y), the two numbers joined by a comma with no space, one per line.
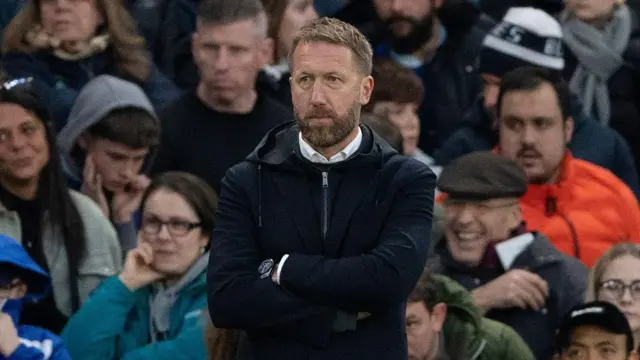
(21,279)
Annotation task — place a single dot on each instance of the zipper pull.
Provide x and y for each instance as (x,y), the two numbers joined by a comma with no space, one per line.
(325,179)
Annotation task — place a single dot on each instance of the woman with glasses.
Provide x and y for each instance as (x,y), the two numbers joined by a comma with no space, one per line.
(152,310)
(65,43)
(615,278)
(62,230)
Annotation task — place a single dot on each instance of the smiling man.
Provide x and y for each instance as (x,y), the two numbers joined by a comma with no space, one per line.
(515,277)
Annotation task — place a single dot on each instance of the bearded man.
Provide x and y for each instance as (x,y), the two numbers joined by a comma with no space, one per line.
(441,41)
(322,232)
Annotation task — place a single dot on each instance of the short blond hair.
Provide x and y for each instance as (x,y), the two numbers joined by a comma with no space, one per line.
(336,32)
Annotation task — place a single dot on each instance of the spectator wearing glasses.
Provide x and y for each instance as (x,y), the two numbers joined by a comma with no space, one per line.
(515,277)
(154,306)
(616,278)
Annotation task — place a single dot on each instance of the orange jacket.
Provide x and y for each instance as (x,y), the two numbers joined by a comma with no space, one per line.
(585,212)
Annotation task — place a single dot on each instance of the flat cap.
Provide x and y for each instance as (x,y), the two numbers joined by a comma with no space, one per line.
(482,175)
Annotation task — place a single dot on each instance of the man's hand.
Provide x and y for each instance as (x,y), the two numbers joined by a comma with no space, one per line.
(92,185)
(125,203)
(517,288)
(9,340)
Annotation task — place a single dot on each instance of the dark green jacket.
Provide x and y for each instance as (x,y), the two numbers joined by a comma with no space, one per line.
(483,339)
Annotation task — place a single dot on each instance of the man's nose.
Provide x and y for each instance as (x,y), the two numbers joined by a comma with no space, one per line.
(529,135)
(318,96)
(222,60)
(398,6)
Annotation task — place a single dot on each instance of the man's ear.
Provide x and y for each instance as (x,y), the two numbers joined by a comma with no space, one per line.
(366,89)
(266,52)
(84,141)
(438,316)
(569,125)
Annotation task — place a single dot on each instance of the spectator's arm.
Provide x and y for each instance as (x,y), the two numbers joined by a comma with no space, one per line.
(160,90)
(387,274)
(56,96)
(187,345)
(93,332)
(165,157)
(127,236)
(624,166)
(514,346)
(238,297)
(43,350)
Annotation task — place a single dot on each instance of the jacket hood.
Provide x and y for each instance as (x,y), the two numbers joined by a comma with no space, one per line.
(99,97)
(280,146)
(38,282)
(463,322)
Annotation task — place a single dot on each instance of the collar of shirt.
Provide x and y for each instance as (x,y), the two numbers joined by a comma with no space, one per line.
(315,157)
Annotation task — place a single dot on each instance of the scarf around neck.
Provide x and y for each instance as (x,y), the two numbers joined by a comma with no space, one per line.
(599,53)
(41,40)
(163,299)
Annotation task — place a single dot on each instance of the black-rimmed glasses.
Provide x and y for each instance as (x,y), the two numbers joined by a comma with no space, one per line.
(176,227)
(616,288)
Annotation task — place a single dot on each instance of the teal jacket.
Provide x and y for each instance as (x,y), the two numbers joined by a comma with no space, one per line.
(114,324)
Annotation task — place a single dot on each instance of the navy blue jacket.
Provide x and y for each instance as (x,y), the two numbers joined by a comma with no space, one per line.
(591,141)
(58,81)
(357,233)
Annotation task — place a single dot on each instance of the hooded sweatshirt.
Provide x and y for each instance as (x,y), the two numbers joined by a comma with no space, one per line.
(98,98)
(478,337)
(151,323)
(35,343)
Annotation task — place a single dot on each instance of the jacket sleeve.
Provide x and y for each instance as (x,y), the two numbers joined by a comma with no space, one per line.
(58,99)
(514,347)
(165,157)
(238,297)
(386,275)
(624,166)
(187,345)
(160,90)
(458,144)
(573,287)
(89,334)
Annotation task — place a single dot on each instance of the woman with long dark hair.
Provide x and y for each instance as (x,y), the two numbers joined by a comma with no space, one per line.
(62,230)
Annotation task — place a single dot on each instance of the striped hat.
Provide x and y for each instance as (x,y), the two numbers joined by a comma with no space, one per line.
(525,37)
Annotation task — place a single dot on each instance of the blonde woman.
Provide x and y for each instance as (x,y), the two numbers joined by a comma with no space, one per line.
(615,278)
(63,44)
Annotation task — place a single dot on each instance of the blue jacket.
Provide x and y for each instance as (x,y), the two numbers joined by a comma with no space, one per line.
(591,141)
(357,235)
(58,81)
(114,323)
(35,343)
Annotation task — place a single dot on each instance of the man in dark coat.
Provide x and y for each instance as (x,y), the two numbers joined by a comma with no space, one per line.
(515,277)
(322,232)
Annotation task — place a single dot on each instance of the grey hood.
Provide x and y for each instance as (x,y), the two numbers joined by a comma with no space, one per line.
(101,95)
